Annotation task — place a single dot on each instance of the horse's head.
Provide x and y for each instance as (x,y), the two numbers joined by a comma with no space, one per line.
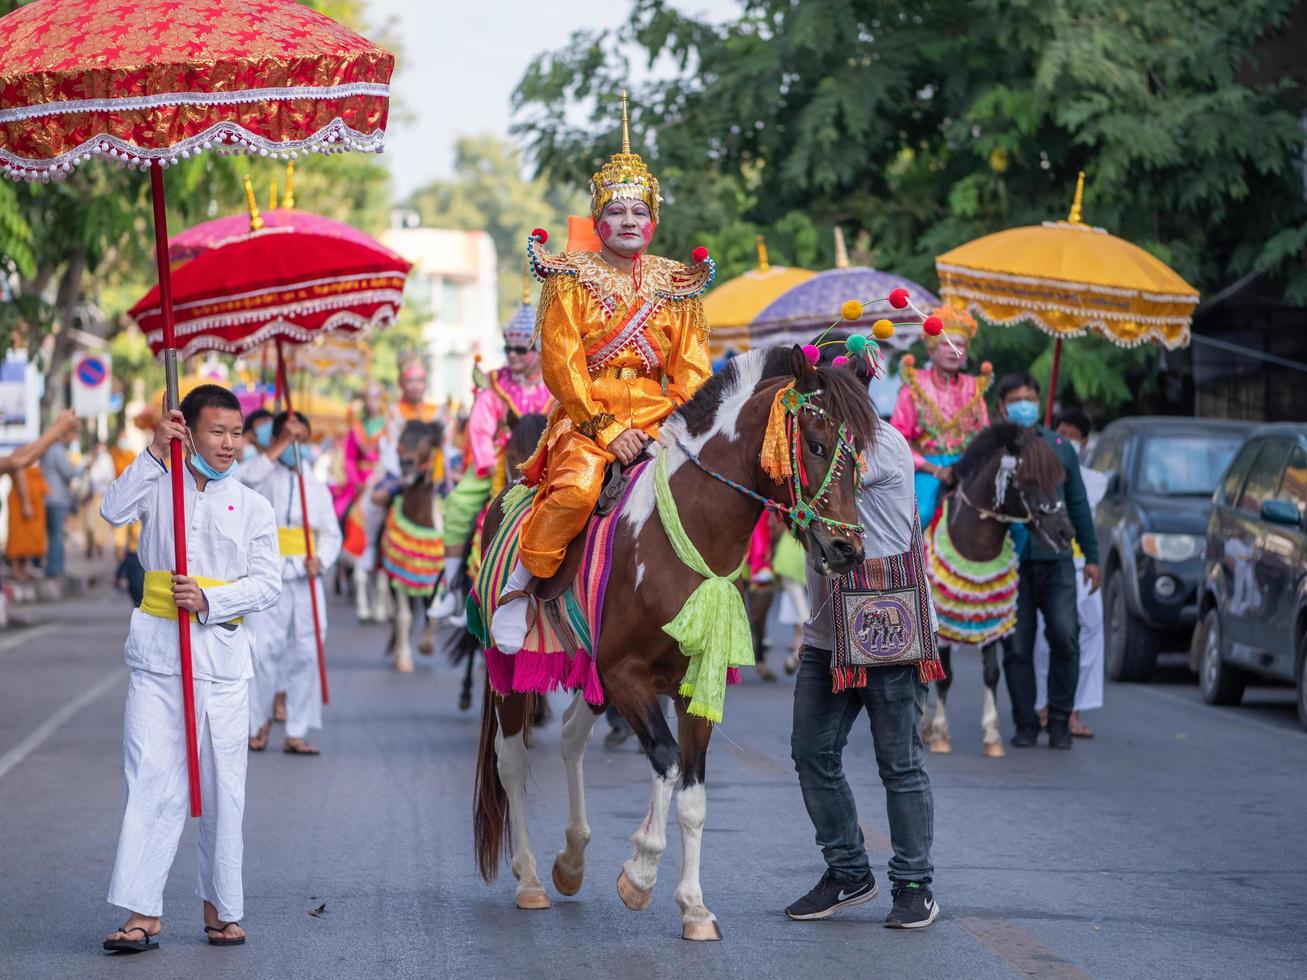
(418,442)
(524,435)
(830,423)
(1010,470)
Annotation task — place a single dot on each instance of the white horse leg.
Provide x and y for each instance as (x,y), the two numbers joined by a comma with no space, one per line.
(427,638)
(691,811)
(513,769)
(403,635)
(990,734)
(362,605)
(569,865)
(640,871)
(382,605)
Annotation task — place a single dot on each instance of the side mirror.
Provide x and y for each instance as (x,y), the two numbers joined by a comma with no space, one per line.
(1284,512)
(1113,483)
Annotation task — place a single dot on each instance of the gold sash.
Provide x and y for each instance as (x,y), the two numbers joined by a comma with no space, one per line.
(291,541)
(158,601)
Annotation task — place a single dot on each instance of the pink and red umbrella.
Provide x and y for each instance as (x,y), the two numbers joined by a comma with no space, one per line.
(147,85)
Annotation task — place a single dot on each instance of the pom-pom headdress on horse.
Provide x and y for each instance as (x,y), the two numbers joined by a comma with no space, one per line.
(867,348)
(624,176)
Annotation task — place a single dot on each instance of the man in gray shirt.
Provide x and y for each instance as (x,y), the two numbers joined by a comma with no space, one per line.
(894,698)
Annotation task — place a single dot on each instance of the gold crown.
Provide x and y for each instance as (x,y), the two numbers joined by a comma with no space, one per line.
(957,322)
(624,176)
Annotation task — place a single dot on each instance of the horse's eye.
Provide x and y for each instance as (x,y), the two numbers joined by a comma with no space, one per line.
(817,448)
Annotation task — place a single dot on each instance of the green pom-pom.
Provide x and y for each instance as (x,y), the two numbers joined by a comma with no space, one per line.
(856,343)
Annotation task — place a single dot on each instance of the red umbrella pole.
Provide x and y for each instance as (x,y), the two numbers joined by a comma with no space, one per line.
(1052,382)
(284,384)
(178,493)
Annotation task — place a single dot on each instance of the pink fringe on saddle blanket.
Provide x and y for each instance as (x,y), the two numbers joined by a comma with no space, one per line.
(543,665)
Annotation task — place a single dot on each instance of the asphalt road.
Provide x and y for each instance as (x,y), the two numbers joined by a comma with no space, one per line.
(1169,846)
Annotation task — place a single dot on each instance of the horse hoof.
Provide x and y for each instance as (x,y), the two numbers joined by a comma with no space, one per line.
(404,666)
(426,648)
(532,899)
(464,702)
(565,883)
(633,898)
(766,674)
(941,746)
(995,750)
(701,931)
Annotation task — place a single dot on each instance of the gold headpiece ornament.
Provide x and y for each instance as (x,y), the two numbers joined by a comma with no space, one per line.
(288,199)
(624,176)
(256,219)
(957,322)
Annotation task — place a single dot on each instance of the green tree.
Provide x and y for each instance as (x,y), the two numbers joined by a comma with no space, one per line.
(920,127)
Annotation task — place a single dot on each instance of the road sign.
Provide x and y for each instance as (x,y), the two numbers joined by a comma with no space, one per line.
(92,384)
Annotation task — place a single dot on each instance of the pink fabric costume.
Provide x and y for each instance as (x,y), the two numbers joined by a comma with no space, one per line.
(487,424)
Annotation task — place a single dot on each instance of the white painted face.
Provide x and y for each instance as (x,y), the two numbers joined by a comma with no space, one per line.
(626,227)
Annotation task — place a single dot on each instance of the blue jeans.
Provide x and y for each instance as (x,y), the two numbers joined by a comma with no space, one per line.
(894,699)
(56,517)
(1047,587)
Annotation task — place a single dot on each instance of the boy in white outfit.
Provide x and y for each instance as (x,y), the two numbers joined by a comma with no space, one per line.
(231,544)
(285,646)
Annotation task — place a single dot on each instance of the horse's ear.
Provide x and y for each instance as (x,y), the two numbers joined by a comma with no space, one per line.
(805,374)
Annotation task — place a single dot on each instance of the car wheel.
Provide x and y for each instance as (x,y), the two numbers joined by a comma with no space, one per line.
(1131,643)
(1221,683)
(1302,680)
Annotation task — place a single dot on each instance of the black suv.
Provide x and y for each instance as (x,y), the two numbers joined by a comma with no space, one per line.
(1254,590)
(1160,476)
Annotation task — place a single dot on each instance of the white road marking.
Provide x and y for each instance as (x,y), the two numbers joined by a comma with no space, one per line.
(21,636)
(1211,712)
(52,724)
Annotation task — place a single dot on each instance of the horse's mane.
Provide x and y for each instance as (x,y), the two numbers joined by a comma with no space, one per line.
(844,397)
(1038,462)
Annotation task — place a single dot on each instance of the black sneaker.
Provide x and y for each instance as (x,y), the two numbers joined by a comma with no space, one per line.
(830,895)
(1026,736)
(914,906)
(1059,734)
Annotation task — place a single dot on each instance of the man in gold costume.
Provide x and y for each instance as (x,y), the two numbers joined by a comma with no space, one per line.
(623,343)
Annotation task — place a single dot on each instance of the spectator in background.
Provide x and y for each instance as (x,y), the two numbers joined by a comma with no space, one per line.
(1075,427)
(100,473)
(59,472)
(28,538)
(130,574)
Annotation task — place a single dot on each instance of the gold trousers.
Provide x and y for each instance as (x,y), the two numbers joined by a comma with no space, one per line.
(574,478)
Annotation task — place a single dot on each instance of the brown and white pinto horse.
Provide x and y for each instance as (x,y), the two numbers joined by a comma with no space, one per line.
(719,431)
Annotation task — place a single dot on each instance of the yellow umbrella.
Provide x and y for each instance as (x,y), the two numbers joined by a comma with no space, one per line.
(1069,278)
(733,305)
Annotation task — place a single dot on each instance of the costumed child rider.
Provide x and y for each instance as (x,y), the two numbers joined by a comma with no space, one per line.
(623,343)
(941,409)
(234,572)
(502,398)
(285,641)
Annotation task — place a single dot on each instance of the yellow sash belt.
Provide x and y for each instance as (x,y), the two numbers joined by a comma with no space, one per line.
(291,540)
(158,601)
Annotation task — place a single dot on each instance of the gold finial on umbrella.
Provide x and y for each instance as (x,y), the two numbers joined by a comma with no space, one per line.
(763,264)
(1074,217)
(841,253)
(256,219)
(288,199)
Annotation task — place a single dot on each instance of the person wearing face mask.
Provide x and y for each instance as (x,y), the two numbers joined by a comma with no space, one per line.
(940,409)
(258,434)
(1075,427)
(503,396)
(1047,587)
(285,638)
(624,342)
(233,572)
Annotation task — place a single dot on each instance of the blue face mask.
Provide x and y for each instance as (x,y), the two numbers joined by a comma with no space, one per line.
(287,456)
(263,433)
(248,453)
(1024,413)
(208,472)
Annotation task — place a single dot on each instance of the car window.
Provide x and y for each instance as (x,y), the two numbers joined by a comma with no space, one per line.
(1107,454)
(1293,484)
(1264,478)
(1237,471)
(1185,465)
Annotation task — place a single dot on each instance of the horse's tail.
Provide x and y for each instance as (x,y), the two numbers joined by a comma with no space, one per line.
(463,648)
(490,803)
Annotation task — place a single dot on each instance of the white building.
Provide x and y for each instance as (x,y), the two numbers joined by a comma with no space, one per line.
(454,281)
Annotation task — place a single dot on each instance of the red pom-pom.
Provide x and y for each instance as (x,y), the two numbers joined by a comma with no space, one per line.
(933,326)
(540,235)
(699,254)
(899,298)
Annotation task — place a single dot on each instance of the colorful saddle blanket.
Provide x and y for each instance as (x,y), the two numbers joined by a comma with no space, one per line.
(975,602)
(546,662)
(413,556)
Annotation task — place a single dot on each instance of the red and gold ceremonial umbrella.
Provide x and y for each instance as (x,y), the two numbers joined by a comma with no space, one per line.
(146,85)
(279,277)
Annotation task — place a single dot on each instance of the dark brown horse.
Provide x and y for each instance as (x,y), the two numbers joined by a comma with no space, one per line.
(1008,475)
(716,437)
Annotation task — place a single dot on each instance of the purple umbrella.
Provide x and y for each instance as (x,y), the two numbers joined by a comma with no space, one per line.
(799,314)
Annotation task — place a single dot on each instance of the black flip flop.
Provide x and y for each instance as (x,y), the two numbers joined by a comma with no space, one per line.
(132,945)
(220,928)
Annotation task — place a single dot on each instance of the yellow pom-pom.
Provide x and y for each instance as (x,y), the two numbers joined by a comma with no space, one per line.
(882,330)
(852,310)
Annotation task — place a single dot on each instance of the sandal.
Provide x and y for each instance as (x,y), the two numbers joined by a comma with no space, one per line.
(222,939)
(259,742)
(297,746)
(132,945)
(1080,731)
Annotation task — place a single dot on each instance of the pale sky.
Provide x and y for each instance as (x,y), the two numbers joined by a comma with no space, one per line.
(461,61)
